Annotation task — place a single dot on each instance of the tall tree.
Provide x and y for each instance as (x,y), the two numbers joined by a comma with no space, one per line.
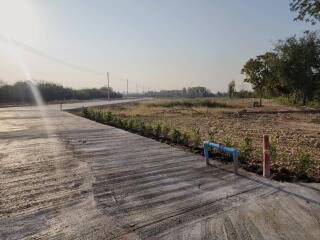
(300,63)
(308,10)
(258,73)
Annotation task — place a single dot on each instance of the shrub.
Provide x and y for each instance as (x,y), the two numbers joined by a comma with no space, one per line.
(84,112)
(142,127)
(157,130)
(185,138)
(165,130)
(99,116)
(303,165)
(210,136)
(149,128)
(136,124)
(176,136)
(109,117)
(130,123)
(227,141)
(196,137)
(125,123)
(314,104)
(119,122)
(246,148)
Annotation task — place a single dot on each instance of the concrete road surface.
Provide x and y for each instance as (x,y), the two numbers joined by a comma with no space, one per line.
(77,179)
(77,105)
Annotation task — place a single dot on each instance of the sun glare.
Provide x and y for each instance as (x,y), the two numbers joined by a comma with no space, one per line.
(17,19)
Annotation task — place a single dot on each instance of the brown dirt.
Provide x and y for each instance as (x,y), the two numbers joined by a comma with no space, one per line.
(290,132)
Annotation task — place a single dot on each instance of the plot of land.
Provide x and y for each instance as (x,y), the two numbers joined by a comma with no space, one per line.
(91,181)
(291,132)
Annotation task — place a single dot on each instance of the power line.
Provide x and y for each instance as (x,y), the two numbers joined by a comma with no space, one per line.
(55,59)
(66,63)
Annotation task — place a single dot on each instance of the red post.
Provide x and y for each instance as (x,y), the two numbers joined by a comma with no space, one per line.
(266,156)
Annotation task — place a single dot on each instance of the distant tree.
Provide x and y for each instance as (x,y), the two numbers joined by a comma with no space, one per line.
(299,64)
(308,10)
(20,92)
(198,92)
(257,72)
(231,88)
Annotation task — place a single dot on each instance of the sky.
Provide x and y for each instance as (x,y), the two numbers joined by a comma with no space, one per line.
(167,44)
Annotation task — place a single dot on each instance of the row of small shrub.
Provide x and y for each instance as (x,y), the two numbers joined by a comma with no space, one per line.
(159,131)
(302,167)
(188,103)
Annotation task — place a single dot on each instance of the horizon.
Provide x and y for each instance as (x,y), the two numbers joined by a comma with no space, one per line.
(159,45)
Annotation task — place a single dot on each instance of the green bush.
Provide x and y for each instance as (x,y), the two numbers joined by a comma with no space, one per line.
(210,136)
(246,148)
(130,123)
(84,112)
(196,137)
(109,117)
(165,130)
(142,127)
(176,136)
(157,130)
(125,123)
(314,104)
(99,116)
(303,165)
(227,141)
(185,138)
(149,128)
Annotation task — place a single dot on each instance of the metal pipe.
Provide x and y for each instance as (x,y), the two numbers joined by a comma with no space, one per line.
(235,153)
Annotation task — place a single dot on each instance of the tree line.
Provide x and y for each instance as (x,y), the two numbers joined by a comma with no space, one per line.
(190,92)
(20,93)
(292,69)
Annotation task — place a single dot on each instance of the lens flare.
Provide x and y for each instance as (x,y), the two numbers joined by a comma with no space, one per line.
(18,19)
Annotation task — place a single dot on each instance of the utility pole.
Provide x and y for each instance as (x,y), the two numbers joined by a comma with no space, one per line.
(127,87)
(108,87)
(137,88)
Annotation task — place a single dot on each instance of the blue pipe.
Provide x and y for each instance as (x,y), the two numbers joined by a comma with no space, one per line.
(235,152)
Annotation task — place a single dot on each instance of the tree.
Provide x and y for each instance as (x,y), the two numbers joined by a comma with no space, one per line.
(308,10)
(231,88)
(299,64)
(259,73)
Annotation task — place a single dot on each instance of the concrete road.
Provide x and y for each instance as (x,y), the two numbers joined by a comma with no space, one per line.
(90,181)
(77,105)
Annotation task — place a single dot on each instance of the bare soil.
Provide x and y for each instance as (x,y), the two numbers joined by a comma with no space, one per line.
(292,129)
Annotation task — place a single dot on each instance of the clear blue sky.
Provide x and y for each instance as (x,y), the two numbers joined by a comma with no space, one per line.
(163,44)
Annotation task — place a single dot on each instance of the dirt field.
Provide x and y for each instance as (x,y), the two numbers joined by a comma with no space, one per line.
(290,132)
